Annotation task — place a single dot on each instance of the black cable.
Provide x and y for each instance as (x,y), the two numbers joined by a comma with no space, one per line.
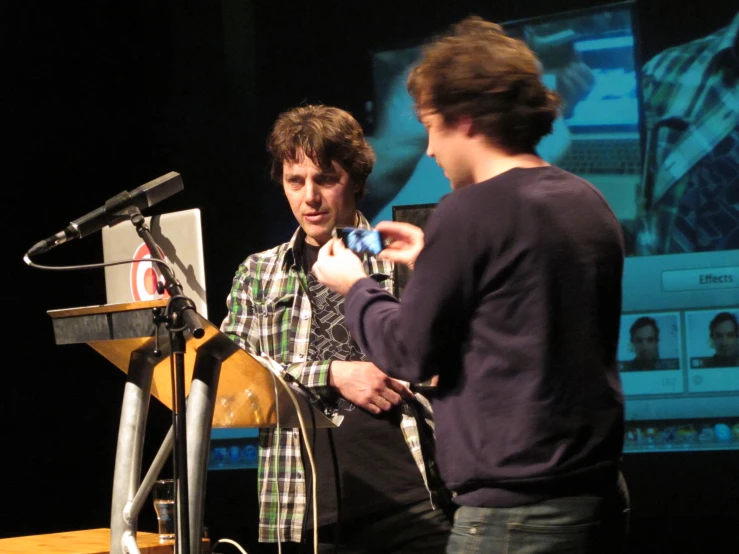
(310,488)
(337,488)
(315,401)
(312,400)
(91,266)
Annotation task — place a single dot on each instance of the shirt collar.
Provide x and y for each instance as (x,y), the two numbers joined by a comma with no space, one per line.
(295,244)
(725,38)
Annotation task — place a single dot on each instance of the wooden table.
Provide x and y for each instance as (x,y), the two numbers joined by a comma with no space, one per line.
(89,541)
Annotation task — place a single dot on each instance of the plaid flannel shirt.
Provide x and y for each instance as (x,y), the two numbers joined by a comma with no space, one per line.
(689,84)
(269,315)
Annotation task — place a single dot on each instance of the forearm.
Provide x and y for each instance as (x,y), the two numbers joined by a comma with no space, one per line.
(373,316)
(421,337)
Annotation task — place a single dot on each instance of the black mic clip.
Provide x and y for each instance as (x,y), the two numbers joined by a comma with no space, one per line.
(120,208)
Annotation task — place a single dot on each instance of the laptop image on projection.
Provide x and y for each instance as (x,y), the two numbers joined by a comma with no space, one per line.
(179,236)
(604,124)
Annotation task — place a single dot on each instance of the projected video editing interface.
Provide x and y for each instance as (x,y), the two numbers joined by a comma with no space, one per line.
(679,352)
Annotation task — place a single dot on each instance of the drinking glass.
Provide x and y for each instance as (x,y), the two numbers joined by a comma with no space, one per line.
(164,508)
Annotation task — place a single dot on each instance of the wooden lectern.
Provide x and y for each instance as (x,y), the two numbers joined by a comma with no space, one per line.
(225,387)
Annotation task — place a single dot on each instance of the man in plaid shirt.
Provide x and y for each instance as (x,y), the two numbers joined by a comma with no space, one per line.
(387,497)
(690,201)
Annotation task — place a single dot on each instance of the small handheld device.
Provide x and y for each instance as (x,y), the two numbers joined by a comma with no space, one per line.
(361,241)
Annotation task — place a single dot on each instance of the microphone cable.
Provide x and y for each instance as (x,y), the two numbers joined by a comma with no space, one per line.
(93,266)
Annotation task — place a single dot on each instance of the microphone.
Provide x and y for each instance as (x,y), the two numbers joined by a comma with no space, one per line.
(113,211)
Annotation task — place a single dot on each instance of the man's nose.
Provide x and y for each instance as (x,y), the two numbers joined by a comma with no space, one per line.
(312,192)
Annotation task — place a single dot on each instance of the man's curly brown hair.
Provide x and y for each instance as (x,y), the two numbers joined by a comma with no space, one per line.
(325,134)
(479,72)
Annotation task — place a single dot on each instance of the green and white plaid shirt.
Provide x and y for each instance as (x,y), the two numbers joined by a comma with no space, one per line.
(269,315)
(692,83)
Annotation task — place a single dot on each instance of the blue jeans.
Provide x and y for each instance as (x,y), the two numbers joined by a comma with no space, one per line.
(575,525)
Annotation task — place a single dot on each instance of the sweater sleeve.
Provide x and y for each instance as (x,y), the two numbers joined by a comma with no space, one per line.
(423,335)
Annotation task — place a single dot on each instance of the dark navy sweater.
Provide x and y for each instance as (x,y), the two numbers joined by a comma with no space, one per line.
(515,303)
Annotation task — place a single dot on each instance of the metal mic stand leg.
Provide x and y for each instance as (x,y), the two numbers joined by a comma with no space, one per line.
(179,423)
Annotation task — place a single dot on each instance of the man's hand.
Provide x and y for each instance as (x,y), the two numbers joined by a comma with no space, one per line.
(406,242)
(365,385)
(574,82)
(338,267)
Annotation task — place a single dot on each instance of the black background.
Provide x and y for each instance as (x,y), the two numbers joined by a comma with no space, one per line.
(102,97)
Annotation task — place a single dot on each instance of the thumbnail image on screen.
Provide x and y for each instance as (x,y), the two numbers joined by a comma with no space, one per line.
(713,350)
(649,356)
(649,342)
(713,339)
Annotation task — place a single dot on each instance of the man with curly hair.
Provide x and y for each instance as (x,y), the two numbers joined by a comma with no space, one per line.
(376,488)
(514,302)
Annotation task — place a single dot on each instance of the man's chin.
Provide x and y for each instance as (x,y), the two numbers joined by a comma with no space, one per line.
(317,234)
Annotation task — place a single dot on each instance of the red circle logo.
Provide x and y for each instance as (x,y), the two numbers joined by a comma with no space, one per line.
(144,277)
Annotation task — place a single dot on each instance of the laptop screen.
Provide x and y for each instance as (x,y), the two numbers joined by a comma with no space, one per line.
(602,41)
(179,236)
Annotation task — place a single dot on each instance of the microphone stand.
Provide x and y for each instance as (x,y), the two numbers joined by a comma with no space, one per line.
(180,318)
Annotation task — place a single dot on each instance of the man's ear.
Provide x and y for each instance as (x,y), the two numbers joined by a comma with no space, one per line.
(465,125)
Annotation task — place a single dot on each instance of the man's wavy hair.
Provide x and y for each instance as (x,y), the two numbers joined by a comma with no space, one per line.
(324,134)
(479,72)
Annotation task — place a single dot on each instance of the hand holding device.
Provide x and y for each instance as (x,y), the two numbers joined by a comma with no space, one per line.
(406,242)
(337,267)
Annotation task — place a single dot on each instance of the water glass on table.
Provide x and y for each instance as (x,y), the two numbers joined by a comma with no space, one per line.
(164,508)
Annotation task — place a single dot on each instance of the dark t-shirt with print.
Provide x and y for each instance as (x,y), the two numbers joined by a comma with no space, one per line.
(376,469)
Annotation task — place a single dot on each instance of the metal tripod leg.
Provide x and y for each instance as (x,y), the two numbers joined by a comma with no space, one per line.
(200,406)
(130,448)
(128,495)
